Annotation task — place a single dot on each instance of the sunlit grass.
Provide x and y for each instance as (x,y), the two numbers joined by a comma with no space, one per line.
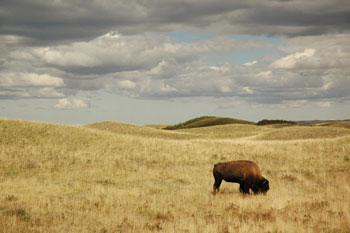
(56,178)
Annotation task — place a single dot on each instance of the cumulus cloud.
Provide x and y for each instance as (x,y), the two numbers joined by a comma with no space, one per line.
(18,93)
(29,80)
(71,104)
(293,60)
(154,66)
(114,52)
(126,84)
(146,65)
(30,85)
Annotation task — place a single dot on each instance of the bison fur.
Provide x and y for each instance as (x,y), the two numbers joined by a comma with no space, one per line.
(246,173)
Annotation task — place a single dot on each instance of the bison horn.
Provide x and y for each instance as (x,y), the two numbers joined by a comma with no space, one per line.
(264,181)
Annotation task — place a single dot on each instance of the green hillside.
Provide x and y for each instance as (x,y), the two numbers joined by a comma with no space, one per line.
(207,121)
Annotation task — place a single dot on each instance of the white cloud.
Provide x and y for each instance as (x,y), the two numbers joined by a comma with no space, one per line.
(292,60)
(248,90)
(250,63)
(160,68)
(71,104)
(264,74)
(114,52)
(30,85)
(126,84)
(17,79)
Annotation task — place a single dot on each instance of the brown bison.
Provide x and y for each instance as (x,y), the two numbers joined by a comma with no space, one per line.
(244,172)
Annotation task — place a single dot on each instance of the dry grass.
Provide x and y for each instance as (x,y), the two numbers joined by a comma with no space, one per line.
(305,132)
(56,178)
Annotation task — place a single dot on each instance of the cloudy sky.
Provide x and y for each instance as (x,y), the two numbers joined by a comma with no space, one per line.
(166,61)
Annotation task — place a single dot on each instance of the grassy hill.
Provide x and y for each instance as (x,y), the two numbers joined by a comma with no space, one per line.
(142,131)
(215,131)
(206,121)
(113,177)
(229,131)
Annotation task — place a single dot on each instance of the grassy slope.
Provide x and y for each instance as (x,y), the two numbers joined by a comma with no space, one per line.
(56,178)
(216,131)
(143,131)
(304,132)
(207,121)
(339,124)
(227,131)
(156,126)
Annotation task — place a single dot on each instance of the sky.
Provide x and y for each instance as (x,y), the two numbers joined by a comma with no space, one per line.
(167,61)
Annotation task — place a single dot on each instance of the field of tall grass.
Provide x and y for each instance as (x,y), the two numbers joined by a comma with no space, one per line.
(113,177)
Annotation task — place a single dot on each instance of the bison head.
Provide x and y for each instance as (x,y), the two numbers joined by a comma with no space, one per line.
(262,186)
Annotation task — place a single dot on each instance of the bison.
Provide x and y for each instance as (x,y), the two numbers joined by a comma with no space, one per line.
(244,172)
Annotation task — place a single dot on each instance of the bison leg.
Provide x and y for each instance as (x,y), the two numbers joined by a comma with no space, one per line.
(244,188)
(255,190)
(217,185)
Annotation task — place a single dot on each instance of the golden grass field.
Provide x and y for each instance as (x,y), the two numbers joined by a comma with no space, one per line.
(113,177)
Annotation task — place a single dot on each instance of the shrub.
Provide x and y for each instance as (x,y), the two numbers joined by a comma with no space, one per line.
(274,122)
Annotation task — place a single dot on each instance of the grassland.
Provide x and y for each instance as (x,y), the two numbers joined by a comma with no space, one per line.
(112,177)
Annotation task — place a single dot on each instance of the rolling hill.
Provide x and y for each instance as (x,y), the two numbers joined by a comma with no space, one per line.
(206,121)
(142,131)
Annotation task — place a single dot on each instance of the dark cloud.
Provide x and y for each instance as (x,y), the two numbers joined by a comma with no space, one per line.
(293,21)
(50,21)
(60,20)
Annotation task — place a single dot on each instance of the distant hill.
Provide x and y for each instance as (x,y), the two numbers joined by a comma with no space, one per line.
(283,123)
(321,122)
(205,121)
